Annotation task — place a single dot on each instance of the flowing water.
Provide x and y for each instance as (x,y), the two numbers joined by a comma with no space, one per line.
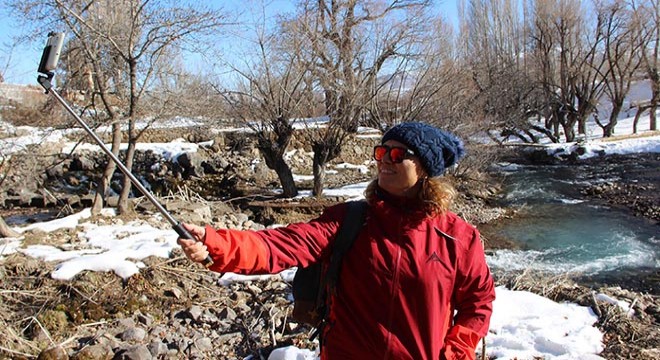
(559,231)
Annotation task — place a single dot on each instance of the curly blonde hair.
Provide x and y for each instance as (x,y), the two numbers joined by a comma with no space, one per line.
(436,195)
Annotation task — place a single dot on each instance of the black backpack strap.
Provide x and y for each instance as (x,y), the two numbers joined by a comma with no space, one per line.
(348,231)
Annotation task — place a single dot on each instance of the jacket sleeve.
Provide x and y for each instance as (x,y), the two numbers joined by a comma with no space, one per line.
(272,250)
(474,292)
(242,252)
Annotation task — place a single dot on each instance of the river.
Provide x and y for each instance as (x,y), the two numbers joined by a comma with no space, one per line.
(560,231)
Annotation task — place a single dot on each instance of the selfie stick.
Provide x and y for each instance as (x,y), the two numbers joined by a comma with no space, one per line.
(47,65)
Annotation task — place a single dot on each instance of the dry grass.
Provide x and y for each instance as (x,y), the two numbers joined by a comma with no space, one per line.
(37,312)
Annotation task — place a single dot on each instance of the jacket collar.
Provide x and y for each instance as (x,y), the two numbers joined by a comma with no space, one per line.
(411,208)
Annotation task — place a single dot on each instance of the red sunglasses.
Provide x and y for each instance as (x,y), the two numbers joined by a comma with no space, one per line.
(397,154)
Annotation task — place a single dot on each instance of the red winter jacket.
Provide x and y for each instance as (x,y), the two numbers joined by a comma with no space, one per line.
(409,288)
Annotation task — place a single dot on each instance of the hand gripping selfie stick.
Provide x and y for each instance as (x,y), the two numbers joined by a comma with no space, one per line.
(48,64)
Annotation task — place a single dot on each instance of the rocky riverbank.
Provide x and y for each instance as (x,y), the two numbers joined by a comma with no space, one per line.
(635,183)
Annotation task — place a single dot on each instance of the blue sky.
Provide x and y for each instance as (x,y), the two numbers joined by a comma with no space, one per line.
(21,67)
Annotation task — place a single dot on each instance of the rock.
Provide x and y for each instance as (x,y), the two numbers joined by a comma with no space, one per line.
(208,317)
(94,352)
(157,348)
(146,320)
(174,291)
(228,314)
(136,352)
(82,163)
(107,339)
(241,218)
(159,331)
(204,344)
(134,334)
(126,323)
(191,164)
(195,312)
(53,353)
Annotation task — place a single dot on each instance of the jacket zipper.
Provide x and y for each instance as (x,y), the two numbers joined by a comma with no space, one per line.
(390,315)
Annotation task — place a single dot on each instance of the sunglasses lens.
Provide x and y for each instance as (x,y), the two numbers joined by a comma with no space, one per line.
(379,152)
(397,154)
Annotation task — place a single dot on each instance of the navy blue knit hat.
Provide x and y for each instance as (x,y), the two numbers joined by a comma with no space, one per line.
(436,149)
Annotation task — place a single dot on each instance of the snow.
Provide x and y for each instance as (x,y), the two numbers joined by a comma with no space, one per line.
(602,147)
(624,305)
(526,325)
(523,326)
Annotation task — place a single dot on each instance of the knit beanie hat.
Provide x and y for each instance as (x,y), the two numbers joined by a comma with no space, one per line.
(435,148)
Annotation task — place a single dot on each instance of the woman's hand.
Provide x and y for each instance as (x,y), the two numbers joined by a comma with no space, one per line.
(194,249)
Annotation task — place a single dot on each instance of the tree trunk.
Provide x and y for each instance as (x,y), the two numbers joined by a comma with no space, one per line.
(276,162)
(318,169)
(286,179)
(637,115)
(655,98)
(273,154)
(6,231)
(582,127)
(608,130)
(104,183)
(569,127)
(123,206)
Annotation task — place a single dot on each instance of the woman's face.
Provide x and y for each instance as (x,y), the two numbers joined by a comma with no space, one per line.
(399,179)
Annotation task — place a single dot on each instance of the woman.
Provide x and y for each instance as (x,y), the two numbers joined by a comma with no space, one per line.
(414,285)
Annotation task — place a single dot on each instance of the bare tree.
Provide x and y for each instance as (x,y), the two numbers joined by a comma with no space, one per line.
(647,12)
(91,66)
(348,46)
(138,40)
(270,93)
(415,80)
(566,51)
(493,40)
(621,46)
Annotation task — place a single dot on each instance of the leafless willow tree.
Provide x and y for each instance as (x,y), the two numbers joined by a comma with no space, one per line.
(92,66)
(494,51)
(348,47)
(647,13)
(566,51)
(269,93)
(621,34)
(128,42)
(415,81)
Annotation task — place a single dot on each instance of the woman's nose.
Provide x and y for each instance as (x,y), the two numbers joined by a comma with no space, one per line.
(387,159)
